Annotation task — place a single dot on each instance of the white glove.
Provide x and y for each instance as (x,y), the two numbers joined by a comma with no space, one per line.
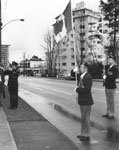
(75,88)
(104,77)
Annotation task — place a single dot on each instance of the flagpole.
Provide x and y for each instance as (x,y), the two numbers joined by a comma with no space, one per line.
(103,42)
(74,43)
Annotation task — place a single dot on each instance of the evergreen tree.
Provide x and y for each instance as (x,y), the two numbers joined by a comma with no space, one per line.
(110,9)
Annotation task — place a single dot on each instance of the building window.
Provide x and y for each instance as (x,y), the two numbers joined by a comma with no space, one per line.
(64,64)
(73,13)
(72,35)
(72,42)
(73,64)
(82,26)
(98,42)
(64,43)
(82,34)
(64,71)
(72,49)
(72,56)
(73,20)
(64,57)
(94,42)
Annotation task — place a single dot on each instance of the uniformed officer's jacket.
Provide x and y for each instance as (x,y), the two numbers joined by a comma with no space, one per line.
(13,80)
(111,75)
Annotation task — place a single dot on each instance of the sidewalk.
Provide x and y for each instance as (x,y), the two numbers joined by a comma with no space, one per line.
(31,132)
(6,137)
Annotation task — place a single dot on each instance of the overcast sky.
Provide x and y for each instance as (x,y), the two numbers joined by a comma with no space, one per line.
(39,15)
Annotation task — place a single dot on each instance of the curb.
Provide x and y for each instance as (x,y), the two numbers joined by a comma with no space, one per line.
(9,143)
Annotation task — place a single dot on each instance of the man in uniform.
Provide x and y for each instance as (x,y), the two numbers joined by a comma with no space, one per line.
(13,74)
(110,86)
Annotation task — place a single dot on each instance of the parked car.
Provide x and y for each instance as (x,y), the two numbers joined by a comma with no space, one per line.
(69,77)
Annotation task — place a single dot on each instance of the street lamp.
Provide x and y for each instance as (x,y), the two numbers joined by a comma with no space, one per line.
(10,22)
(3,26)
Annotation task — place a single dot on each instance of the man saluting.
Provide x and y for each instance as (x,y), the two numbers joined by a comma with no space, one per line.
(13,74)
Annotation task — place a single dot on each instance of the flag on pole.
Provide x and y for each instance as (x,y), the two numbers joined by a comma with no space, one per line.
(58,26)
(63,23)
(68,18)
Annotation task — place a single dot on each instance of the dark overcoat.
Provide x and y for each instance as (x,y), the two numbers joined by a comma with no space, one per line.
(84,91)
(1,80)
(13,80)
(111,75)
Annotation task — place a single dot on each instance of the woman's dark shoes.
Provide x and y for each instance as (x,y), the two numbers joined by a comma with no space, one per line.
(106,115)
(85,138)
(110,117)
(79,136)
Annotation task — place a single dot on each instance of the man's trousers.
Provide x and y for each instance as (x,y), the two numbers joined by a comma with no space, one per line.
(85,120)
(110,100)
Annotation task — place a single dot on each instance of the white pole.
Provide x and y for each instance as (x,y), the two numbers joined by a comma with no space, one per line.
(74,43)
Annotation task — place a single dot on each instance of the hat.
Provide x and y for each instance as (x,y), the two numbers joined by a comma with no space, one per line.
(112,57)
(14,63)
(86,65)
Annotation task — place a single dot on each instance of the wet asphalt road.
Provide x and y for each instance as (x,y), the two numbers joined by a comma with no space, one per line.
(55,99)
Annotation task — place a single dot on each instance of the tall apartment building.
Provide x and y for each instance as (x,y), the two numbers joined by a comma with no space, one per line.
(85,22)
(5,55)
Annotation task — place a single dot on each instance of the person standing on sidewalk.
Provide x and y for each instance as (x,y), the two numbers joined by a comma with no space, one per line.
(85,101)
(1,84)
(110,86)
(13,74)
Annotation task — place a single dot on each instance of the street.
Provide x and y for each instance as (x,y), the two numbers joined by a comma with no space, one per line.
(56,101)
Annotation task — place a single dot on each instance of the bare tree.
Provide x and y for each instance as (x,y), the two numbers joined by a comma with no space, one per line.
(47,46)
(58,49)
(52,52)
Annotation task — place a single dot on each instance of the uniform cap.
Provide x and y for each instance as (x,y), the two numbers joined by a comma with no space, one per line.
(112,57)
(14,63)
